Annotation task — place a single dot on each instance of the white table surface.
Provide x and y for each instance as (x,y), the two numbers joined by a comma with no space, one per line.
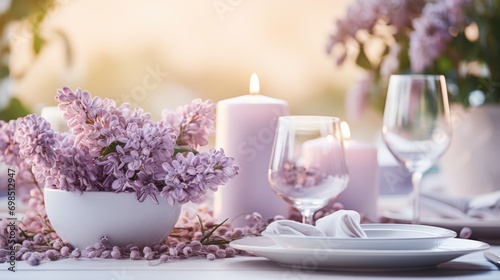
(471,266)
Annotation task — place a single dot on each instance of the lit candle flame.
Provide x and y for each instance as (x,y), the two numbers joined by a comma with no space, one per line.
(254,84)
(345,130)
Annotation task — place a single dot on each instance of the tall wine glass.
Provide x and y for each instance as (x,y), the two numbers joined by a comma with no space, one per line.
(307,167)
(417,126)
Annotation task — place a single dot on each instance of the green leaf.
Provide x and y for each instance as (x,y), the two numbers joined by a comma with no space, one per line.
(201,225)
(14,110)
(38,42)
(362,60)
(184,149)
(4,71)
(443,64)
(207,236)
(110,149)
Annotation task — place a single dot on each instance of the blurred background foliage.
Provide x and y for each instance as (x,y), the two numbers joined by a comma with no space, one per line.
(183,49)
(33,12)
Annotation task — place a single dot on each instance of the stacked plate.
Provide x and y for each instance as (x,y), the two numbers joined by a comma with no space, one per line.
(387,247)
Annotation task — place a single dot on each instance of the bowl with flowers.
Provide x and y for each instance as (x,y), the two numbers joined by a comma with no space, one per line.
(116,172)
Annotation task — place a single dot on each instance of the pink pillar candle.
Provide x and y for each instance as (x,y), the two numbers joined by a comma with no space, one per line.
(245,129)
(362,190)
(320,153)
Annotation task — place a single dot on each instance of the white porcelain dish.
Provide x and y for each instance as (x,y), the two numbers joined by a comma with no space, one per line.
(481,229)
(359,260)
(380,237)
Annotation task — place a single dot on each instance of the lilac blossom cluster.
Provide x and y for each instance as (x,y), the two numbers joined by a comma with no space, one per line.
(120,149)
(455,38)
(434,30)
(193,122)
(294,176)
(9,151)
(186,177)
(9,148)
(365,15)
(385,20)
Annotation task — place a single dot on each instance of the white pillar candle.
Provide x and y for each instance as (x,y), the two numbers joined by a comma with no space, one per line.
(245,128)
(54,116)
(320,153)
(324,156)
(362,190)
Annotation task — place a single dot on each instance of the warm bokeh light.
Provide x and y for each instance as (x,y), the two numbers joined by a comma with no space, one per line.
(149,61)
(472,32)
(346,131)
(254,84)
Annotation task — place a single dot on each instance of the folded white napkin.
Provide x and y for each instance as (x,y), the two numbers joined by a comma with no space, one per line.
(289,227)
(340,224)
(485,206)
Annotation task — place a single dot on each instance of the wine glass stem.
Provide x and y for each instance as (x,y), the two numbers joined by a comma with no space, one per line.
(416,177)
(307,216)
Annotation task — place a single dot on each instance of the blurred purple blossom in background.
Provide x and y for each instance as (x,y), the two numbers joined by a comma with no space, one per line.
(434,29)
(366,14)
(456,38)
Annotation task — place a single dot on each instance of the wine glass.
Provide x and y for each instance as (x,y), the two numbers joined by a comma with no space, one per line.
(417,126)
(307,167)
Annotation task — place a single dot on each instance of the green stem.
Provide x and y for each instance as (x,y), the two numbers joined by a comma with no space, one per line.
(184,149)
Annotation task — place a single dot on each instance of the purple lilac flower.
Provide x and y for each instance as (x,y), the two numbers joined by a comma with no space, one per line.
(9,155)
(129,115)
(77,172)
(94,121)
(399,13)
(293,175)
(9,148)
(145,186)
(120,149)
(366,14)
(193,122)
(37,144)
(189,177)
(140,151)
(54,160)
(432,31)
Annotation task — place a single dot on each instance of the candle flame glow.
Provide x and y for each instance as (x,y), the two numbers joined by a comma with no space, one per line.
(254,84)
(345,130)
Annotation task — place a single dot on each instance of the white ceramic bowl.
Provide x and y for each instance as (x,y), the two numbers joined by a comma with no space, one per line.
(83,219)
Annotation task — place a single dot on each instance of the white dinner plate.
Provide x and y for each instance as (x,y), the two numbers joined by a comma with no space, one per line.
(358,260)
(379,237)
(481,229)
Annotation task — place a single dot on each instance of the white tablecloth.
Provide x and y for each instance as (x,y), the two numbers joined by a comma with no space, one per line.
(472,266)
